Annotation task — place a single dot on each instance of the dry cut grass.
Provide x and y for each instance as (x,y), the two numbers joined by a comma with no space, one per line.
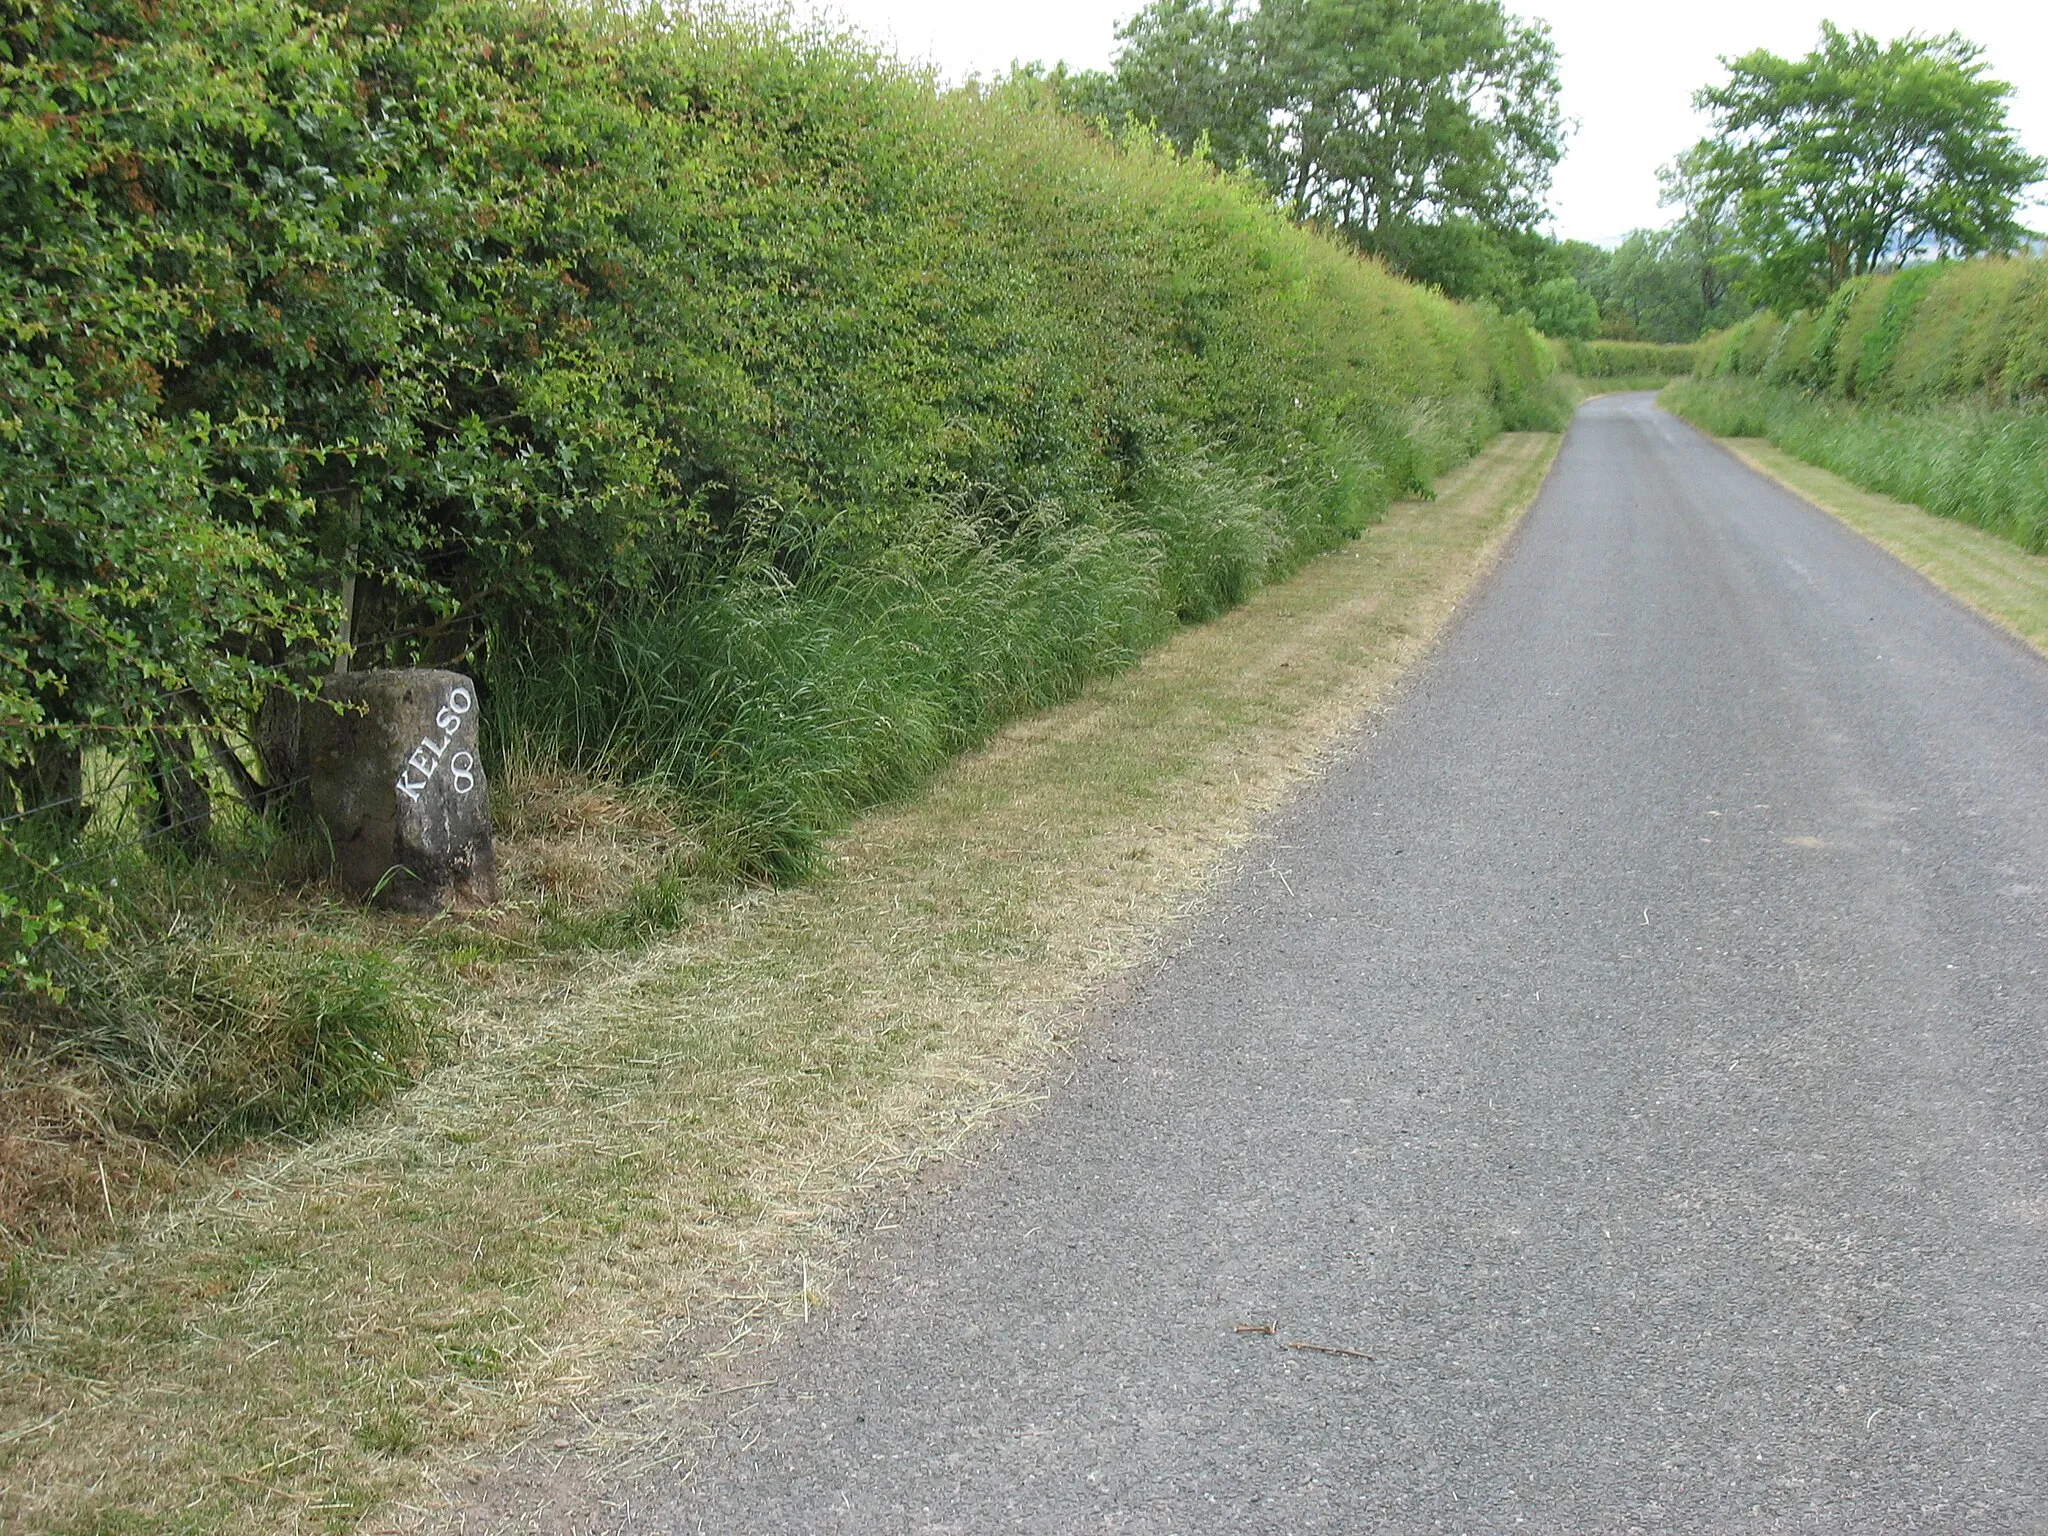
(1992,574)
(91,1138)
(672,1145)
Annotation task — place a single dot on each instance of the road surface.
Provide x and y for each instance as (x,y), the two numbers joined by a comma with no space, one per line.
(1634,1053)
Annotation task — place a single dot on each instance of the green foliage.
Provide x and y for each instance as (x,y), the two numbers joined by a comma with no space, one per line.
(1193,71)
(1858,156)
(1658,285)
(777,706)
(1791,346)
(142,578)
(1741,348)
(1423,130)
(1624,359)
(807,419)
(1669,284)
(1562,307)
(1662,285)
(1621,384)
(1942,331)
(1979,327)
(1876,324)
(1930,385)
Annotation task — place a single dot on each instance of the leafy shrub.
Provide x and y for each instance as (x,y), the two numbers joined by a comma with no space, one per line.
(1624,359)
(740,408)
(457,330)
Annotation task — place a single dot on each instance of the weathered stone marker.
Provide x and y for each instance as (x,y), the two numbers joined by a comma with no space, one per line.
(394,776)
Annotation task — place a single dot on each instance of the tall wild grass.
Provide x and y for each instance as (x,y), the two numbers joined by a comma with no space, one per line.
(1977,463)
(778,704)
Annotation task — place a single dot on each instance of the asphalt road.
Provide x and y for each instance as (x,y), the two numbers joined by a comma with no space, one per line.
(1635,1049)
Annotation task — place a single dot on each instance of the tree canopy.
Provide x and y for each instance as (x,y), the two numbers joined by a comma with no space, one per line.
(1423,130)
(1858,156)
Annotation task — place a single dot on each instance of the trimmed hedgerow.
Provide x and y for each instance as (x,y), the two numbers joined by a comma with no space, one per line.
(1623,359)
(739,406)
(1929,384)
(1974,331)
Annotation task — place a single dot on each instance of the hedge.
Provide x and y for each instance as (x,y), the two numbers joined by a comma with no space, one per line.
(672,374)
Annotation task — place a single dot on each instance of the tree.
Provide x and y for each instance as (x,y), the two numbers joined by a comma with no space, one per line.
(1191,70)
(1857,157)
(1705,239)
(1423,130)
(1388,113)
(1588,263)
(1654,283)
(1562,307)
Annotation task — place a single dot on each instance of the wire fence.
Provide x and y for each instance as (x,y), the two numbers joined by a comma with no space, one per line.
(143,836)
(45,808)
(62,857)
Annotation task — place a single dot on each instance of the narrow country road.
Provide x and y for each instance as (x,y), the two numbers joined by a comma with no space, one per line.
(1635,1053)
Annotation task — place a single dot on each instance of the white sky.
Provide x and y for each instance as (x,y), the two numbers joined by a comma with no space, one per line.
(1629,72)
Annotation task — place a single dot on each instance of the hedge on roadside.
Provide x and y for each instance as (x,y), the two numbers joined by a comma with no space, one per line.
(1947,332)
(1929,384)
(531,335)
(1622,359)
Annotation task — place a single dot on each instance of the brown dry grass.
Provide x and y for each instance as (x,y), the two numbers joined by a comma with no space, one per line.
(564,837)
(675,1142)
(573,853)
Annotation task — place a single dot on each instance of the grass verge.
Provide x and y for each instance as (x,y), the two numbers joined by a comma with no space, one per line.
(676,1139)
(240,998)
(1967,460)
(1992,574)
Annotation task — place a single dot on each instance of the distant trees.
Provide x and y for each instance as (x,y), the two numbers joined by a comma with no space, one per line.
(1194,71)
(1860,156)
(1424,131)
(1703,238)
(1857,157)
(1672,284)
(1653,288)
(1563,306)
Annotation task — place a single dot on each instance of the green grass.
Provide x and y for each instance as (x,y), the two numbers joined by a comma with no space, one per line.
(778,707)
(753,716)
(239,998)
(768,423)
(1978,464)
(673,1145)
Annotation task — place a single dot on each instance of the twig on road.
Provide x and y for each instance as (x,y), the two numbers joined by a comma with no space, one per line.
(1326,1349)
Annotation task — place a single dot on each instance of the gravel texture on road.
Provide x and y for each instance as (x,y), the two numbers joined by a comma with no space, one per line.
(1612,1097)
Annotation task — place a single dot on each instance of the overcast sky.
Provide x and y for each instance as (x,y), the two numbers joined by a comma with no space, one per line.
(1629,72)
